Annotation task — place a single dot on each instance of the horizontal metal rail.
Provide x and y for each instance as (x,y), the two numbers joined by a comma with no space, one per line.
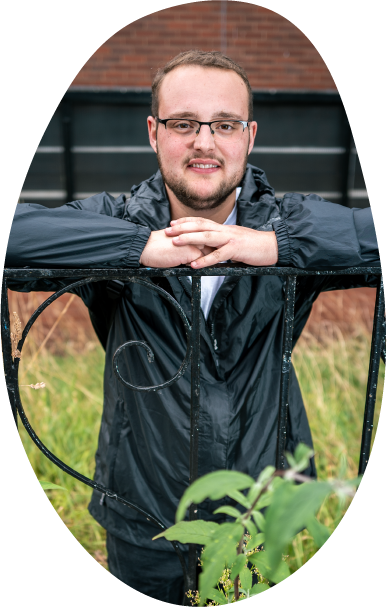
(77,277)
(226,269)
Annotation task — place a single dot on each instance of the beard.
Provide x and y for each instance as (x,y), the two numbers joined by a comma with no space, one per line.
(187,195)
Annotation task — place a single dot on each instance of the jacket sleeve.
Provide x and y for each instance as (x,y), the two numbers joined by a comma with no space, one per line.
(81,234)
(314,233)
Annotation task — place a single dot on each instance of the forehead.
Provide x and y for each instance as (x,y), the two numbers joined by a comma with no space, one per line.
(203,91)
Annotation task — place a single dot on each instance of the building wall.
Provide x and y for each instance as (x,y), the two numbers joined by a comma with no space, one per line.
(275,54)
(97,139)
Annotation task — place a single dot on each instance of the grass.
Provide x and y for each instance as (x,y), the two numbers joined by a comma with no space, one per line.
(333,377)
(66,415)
(332,371)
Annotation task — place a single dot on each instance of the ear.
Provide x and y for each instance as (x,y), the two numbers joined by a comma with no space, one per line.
(253,126)
(152,131)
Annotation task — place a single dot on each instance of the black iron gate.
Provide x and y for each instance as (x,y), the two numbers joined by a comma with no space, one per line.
(78,277)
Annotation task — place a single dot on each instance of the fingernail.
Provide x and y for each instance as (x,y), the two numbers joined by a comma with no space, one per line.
(173,222)
(168,229)
(194,263)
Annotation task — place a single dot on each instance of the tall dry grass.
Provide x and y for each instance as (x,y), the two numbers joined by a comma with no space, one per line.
(331,361)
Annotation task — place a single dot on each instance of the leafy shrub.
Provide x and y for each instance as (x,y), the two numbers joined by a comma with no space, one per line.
(251,545)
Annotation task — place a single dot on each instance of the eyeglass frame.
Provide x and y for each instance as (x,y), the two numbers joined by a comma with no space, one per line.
(244,123)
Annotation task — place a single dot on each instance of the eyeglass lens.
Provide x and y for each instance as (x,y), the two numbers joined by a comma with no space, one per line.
(222,129)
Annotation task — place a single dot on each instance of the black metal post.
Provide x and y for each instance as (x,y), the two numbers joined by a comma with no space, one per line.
(376,349)
(195,407)
(67,145)
(348,167)
(9,370)
(287,345)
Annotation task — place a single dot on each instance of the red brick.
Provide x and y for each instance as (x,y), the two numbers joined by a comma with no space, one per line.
(256,38)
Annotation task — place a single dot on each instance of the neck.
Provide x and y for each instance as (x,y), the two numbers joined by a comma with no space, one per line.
(219,214)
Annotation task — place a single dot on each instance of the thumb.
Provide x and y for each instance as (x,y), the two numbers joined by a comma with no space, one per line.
(190,253)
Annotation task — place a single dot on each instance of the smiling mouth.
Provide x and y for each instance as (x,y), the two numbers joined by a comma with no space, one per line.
(204,166)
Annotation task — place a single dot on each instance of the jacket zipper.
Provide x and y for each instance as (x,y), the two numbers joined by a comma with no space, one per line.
(214,341)
(215,344)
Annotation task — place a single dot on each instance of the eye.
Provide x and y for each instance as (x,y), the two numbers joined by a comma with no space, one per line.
(226,127)
(182,125)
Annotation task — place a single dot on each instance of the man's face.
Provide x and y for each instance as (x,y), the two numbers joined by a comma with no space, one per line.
(203,94)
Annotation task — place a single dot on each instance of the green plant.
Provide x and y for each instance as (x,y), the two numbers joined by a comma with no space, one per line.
(46,485)
(275,507)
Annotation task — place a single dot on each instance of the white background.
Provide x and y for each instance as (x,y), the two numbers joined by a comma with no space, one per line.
(44,45)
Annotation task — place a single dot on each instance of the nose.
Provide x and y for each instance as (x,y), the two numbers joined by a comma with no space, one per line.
(204,140)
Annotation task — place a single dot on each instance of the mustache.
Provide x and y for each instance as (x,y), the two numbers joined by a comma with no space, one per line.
(201,157)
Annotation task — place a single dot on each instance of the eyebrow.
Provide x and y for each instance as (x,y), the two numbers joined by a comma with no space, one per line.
(215,116)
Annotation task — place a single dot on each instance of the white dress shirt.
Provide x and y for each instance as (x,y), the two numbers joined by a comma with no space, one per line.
(211,284)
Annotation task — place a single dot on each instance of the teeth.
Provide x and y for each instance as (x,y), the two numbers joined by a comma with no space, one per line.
(205,166)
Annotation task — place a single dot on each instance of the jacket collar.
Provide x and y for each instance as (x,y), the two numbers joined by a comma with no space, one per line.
(256,206)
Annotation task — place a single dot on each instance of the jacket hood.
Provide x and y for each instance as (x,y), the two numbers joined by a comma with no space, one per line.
(256,206)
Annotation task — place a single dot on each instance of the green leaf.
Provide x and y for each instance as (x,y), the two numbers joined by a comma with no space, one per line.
(291,460)
(318,531)
(266,474)
(246,578)
(240,498)
(258,588)
(190,532)
(302,452)
(261,562)
(261,481)
(214,486)
(259,520)
(223,544)
(237,567)
(219,553)
(291,509)
(301,457)
(251,528)
(46,485)
(266,498)
(209,578)
(217,596)
(255,541)
(230,510)
(264,501)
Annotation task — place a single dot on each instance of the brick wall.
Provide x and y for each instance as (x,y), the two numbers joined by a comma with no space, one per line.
(275,54)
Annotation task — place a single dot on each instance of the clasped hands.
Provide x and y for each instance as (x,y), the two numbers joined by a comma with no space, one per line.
(201,243)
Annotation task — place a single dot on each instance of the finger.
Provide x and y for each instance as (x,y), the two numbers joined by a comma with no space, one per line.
(194,225)
(189,254)
(217,256)
(209,239)
(188,219)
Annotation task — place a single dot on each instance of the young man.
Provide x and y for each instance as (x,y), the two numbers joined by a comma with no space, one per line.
(205,205)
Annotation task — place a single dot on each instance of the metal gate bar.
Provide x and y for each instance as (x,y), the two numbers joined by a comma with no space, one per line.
(287,346)
(373,373)
(142,275)
(192,581)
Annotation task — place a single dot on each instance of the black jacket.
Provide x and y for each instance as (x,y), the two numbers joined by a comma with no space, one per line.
(143,451)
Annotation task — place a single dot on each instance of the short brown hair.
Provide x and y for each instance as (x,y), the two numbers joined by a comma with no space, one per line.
(204,59)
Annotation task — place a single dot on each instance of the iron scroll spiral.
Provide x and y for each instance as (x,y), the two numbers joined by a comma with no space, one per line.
(13,386)
(149,351)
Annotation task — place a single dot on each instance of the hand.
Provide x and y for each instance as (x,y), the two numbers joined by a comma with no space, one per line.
(160,252)
(228,242)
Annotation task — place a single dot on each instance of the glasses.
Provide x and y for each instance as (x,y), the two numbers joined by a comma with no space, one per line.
(222,130)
